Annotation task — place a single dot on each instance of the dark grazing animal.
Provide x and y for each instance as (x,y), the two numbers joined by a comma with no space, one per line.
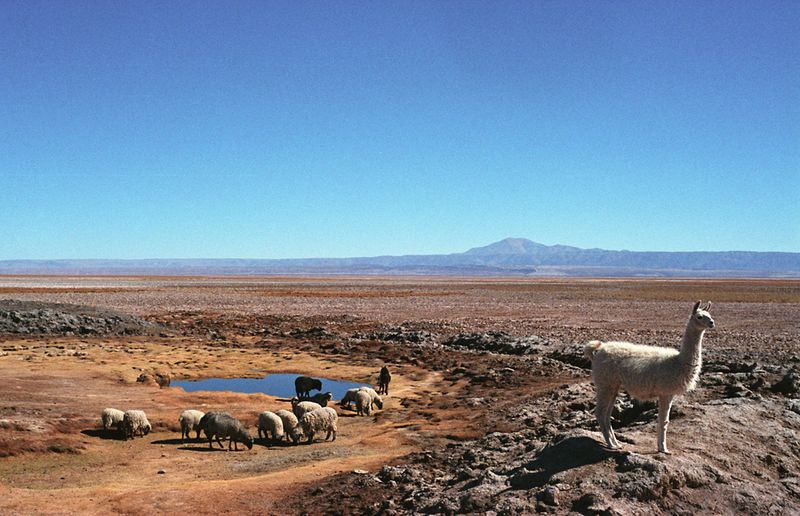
(221,425)
(383,380)
(303,385)
(320,398)
(203,425)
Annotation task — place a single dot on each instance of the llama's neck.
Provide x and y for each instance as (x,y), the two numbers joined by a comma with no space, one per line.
(692,346)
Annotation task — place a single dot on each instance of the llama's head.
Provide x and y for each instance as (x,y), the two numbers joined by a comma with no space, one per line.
(701,317)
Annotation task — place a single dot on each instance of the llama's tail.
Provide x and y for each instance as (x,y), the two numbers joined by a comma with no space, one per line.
(591,347)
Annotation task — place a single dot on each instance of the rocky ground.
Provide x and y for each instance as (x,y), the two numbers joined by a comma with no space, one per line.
(736,449)
(38,318)
(491,408)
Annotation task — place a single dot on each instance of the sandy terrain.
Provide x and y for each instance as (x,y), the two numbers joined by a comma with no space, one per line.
(490,407)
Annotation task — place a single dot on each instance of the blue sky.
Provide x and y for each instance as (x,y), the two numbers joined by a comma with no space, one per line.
(286,129)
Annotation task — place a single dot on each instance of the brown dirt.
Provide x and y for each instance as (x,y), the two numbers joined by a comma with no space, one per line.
(443,402)
(54,398)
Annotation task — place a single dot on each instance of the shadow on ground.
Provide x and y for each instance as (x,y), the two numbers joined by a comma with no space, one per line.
(569,453)
(111,435)
(178,441)
(272,443)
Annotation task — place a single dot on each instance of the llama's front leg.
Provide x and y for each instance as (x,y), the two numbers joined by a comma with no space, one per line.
(664,405)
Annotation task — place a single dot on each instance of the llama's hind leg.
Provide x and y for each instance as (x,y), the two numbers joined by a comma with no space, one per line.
(605,404)
(609,410)
(611,434)
(664,405)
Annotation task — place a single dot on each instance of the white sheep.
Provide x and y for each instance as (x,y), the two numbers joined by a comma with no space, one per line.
(289,421)
(363,403)
(135,422)
(111,418)
(301,407)
(350,397)
(318,420)
(270,423)
(374,397)
(190,422)
(647,372)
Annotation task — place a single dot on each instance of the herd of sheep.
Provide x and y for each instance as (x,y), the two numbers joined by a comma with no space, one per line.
(645,372)
(310,416)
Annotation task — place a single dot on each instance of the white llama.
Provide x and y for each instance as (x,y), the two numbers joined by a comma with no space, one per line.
(647,372)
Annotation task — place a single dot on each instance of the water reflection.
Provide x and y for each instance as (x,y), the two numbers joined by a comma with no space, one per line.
(280,385)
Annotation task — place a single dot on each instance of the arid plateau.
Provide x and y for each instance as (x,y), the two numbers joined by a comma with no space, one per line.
(490,408)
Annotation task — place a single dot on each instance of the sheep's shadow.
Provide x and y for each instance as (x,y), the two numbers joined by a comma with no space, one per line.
(201,446)
(109,435)
(175,441)
(268,443)
(569,453)
(206,449)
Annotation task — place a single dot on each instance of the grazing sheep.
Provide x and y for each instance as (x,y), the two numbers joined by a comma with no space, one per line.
(303,385)
(301,407)
(190,422)
(289,421)
(221,425)
(320,398)
(270,423)
(647,372)
(350,397)
(363,403)
(135,422)
(376,400)
(207,417)
(383,380)
(319,420)
(111,418)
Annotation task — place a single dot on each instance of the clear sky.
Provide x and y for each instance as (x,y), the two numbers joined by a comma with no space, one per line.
(304,129)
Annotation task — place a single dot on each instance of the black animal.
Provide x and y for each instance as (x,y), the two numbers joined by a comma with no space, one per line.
(383,380)
(221,425)
(320,398)
(303,385)
(203,425)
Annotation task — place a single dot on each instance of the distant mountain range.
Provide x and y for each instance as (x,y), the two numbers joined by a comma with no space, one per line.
(511,256)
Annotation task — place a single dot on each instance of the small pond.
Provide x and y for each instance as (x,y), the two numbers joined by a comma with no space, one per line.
(280,385)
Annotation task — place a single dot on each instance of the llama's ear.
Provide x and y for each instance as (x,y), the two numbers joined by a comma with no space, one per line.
(708,306)
(696,306)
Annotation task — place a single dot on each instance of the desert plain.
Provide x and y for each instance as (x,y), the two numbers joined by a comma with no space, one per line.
(490,407)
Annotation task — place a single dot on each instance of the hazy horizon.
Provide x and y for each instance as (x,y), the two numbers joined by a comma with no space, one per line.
(273,130)
(455,252)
